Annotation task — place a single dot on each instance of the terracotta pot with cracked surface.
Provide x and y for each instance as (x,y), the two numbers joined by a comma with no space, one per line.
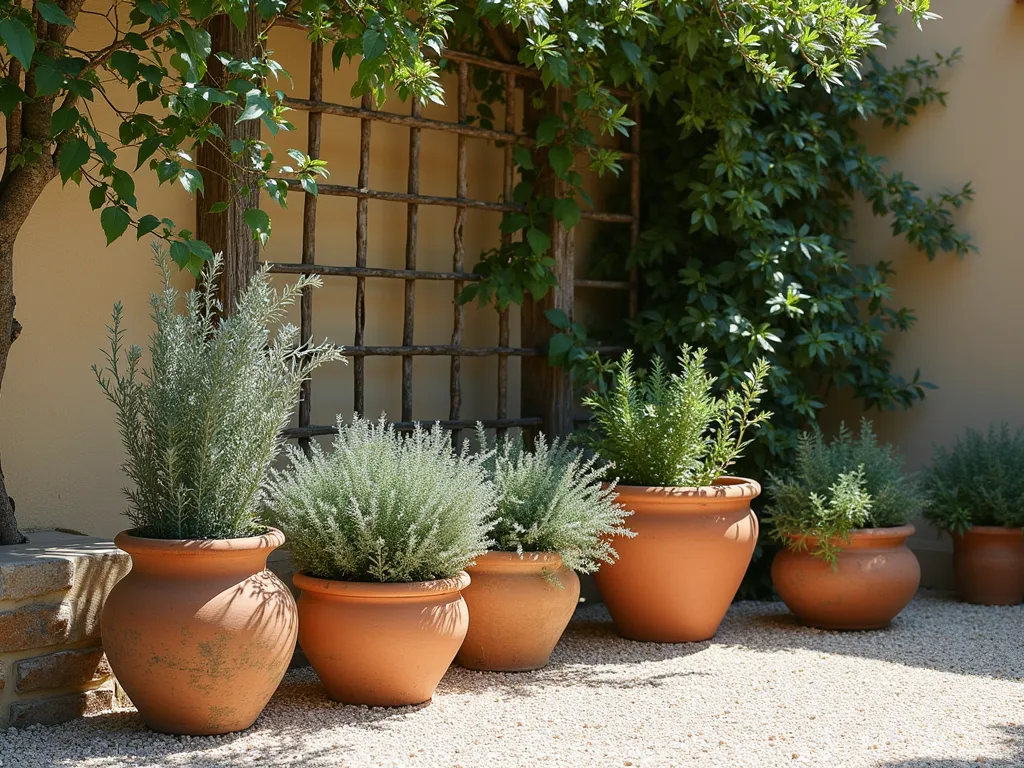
(876,576)
(519,608)
(989,565)
(199,633)
(674,581)
(381,644)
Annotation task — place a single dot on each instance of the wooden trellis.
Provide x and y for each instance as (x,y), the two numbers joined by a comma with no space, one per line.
(514,76)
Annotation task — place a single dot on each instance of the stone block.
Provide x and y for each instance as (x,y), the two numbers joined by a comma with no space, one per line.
(61,669)
(60,709)
(22,578)
(35,626)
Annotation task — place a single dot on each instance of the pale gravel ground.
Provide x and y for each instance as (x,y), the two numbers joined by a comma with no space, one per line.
(944,686)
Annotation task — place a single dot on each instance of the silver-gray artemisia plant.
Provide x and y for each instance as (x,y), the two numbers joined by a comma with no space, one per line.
(383,506)
(551,499)
(202,425)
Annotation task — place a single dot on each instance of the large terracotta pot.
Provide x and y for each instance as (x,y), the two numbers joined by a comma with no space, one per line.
(674,581)
(989,565)
(199,633)
(383,645)
(519,607)
(876,575)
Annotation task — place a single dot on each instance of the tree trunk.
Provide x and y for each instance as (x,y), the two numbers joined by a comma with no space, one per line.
(9,330)
(224,181)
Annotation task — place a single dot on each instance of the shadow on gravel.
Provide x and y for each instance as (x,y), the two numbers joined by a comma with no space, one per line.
(933,632)
(1014,740)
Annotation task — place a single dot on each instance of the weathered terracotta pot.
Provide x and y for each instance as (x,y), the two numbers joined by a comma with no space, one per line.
(383,645)
(675,580)
(876,576)
(989,565)
(517,610)
(199,633)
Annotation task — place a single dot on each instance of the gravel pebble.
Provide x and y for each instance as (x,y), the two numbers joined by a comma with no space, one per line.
(942,687)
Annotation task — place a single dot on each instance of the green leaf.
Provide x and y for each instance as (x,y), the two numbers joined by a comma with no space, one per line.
(124,186)
(259,222)
(147,224)
(191,180)
(157,11)
(147,148)
(126,64)
(374,44)
(54,14)
(558,346)
(523,158)
(567,212)
(180,253)
(547,129)
(63,119)
(115,221)
(557,318)
(98,196)
(19,41)
(219,207)
(256,105)
(270,8)
(200,249)
(538,240)
(561,159)
(633,52)
(309,185)
(10,96)
(74,153)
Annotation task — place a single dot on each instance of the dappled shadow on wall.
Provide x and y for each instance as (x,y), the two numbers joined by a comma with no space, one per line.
(934,632)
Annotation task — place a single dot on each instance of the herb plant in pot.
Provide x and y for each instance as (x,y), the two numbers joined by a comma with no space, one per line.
(671,441)
(554,517)
(382,529)
(976,492)
(841,514)
(199,633)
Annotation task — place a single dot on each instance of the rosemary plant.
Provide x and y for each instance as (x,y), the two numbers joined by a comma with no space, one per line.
(669,429)
(202,425)
(979,481)
(839,486)
(384,506)
(551,499)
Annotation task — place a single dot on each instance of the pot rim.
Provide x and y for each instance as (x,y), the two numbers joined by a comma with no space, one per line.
(993,530)
(725,488)
(372,589)
(497,560)
(130,543)
(865,535)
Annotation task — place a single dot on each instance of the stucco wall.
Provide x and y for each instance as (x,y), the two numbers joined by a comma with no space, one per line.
(61,451)
(969,311)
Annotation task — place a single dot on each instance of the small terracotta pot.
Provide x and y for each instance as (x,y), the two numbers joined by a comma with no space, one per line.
(876,576)
(989,565)
(383,645)
(199,633)
(675,580)
(518,611)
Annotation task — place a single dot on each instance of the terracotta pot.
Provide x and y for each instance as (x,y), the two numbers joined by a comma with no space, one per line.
(199,633)
(518,610)
(383,645)
(675,580)
(876,575)
(989,565)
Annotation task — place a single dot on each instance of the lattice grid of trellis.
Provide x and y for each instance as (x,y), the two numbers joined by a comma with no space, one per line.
(317,108)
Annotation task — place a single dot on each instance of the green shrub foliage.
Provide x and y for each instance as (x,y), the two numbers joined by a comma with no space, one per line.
(201,427)
(838,486)
(669,429)
(979,481)
(384,506)
(748,195)
(551,499)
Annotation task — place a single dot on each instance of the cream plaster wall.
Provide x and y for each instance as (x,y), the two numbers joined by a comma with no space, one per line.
(61,452)
(970,316)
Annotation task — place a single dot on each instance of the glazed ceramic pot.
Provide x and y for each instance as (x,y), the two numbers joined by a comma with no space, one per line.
(382,645)
(989,565)
(519,606)
(875,577)
(199,633)
(674,581)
